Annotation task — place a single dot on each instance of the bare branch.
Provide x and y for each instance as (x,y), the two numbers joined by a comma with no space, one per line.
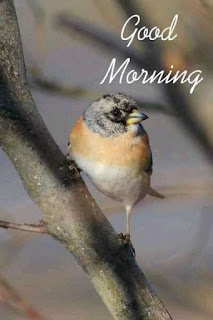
(68,91)
(12,298)
(37,80)
(177,99)
(40,228)
(105,39)
(208,9)
(71,214)
(39,17)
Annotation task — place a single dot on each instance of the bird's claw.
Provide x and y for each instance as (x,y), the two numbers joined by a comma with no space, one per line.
(73,167)
(126,242)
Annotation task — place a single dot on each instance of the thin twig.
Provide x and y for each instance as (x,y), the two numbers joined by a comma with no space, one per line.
(208,9)
(37,80)
(106,39)
(37,228)
(12,298)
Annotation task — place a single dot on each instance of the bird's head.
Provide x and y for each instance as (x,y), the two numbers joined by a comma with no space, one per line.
(113,114)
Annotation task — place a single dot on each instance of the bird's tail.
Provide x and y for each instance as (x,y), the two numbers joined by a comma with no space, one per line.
(155,194)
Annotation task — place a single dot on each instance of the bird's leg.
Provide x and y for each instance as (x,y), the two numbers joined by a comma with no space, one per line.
(71,163)
(128,211)
(125,238)
(73,166)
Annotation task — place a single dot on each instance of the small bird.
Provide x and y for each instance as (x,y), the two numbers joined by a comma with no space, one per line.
(109,144)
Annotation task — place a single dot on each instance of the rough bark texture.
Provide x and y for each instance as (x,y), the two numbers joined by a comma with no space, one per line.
(71,214)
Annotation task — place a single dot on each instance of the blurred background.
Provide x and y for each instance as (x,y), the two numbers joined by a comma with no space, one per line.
(68,46)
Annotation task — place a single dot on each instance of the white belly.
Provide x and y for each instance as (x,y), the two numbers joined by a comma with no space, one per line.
(120,183)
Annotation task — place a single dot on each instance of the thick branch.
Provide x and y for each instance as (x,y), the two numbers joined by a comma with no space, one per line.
(70,213)
(40,228)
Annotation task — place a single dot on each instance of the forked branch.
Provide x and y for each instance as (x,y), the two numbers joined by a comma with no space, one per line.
(70,213)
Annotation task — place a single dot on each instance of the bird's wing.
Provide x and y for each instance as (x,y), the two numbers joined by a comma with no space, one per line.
(148,168)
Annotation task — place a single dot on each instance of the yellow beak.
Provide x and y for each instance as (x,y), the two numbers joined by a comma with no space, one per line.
(135,117)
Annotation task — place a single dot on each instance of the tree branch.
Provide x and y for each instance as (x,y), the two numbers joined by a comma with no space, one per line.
(103,38)
(178,101)
(70,213)
(38,81)
(12,298)
(40,228)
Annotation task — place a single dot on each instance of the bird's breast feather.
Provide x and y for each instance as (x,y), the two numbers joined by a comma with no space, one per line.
(123,150)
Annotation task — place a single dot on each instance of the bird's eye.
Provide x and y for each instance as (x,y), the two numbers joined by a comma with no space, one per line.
(116,112)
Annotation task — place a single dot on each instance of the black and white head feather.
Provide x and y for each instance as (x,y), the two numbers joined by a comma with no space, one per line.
(107,115)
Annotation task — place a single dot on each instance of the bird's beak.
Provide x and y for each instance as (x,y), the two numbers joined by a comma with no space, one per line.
(136,116)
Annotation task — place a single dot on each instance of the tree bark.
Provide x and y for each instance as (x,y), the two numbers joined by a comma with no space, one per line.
(69,212)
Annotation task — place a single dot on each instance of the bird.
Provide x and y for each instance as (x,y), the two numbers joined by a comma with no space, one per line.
(110,145)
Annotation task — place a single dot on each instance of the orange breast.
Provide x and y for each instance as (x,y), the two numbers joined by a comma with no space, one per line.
(124,150)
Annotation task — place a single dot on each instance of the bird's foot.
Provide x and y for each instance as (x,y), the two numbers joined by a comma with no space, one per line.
(69,170)
(126,242)
(73,167)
